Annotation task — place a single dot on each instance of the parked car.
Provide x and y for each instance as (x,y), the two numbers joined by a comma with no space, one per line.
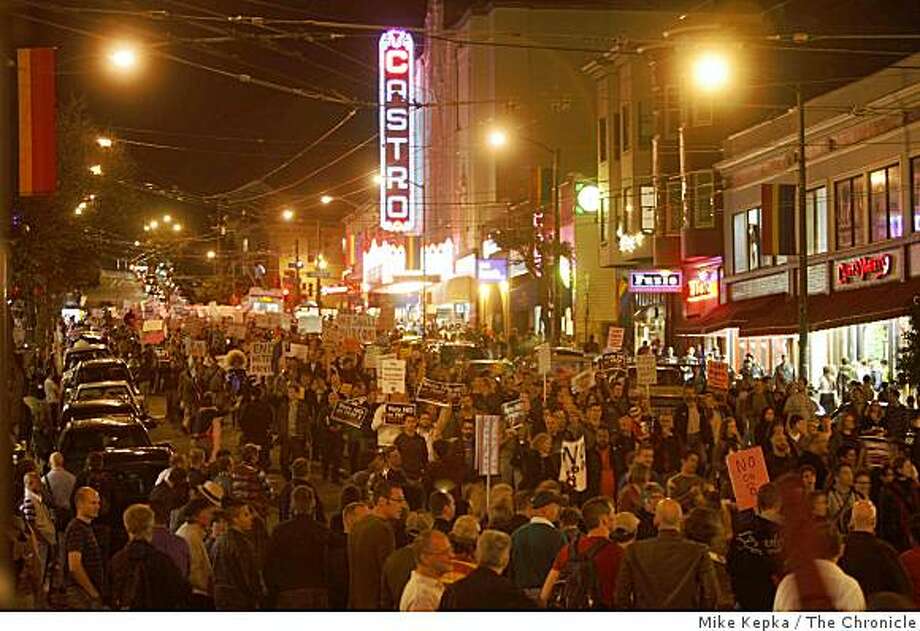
(96,370)
(101,390)
(84,410)
(81,352)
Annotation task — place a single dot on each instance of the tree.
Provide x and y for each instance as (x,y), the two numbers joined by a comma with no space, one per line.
(909,355)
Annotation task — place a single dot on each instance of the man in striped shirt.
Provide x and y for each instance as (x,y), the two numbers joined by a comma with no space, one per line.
(37,514)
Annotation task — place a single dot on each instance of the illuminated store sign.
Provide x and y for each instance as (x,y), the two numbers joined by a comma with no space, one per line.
(397,94)
(704,285)
(865,269)
(656,281)
(492,270)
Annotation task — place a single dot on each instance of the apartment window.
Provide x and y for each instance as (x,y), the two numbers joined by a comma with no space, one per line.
(915,191)
(746,241)
(702,200)
(646,125)
(647,206)
(602,139)
(624,121)
(615,141)
(630,218)
(849,207)
(671,112)
(675,205)
(884,204)
(816,217)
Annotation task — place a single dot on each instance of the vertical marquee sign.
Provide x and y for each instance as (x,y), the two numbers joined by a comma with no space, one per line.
(397,95)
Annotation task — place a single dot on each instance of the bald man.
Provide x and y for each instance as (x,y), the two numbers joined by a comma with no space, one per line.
(85,565)
(871,561)
(667,572)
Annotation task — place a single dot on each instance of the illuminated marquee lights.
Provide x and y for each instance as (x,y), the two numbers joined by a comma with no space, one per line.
(397,92)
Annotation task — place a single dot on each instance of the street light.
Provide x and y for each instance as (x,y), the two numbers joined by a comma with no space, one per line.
(96,169)
(378,180)
(105,143)
(498,138)
(177,227)
(123,58)
(79,209)
(326,199)
(211,255)
(287,214)
(711,71)
(154,224)
(167,218)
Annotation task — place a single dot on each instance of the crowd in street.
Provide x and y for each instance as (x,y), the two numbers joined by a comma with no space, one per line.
(652,521)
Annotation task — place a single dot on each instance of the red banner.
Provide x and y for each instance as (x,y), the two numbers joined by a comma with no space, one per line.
(37,122)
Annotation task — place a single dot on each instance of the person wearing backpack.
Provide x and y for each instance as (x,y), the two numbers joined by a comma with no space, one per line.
(584,574)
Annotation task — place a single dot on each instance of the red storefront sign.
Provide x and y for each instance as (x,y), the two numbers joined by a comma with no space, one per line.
(864,268)
(397,96)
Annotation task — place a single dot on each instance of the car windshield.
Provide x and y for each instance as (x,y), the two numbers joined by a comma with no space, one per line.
(75,358)
(79,442)
(94,393)
(103,372)
(95,411)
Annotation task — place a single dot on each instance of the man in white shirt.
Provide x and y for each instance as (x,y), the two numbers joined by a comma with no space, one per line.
(60,482)
(194,531)
(842,590)
(433,560)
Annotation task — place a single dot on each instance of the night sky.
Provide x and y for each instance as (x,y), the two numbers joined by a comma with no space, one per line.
(223,133)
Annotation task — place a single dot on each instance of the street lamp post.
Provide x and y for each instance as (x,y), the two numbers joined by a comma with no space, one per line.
(803,238)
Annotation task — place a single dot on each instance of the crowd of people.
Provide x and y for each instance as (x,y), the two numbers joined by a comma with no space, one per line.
(653,522)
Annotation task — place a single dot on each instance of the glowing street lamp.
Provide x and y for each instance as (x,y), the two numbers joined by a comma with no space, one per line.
(123,58)
(321,262)
(167,218)
(105,143)
(79,209)
(177,227)
(96,169)
(326,199)
(154,224)
(711,71)
(498,138)
(287,214)
(211,255)
(377,179)
(137,243)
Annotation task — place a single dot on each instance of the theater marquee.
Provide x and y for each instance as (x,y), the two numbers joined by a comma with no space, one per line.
(397,95)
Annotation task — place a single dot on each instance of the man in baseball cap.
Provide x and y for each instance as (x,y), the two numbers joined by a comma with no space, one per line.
(534,546)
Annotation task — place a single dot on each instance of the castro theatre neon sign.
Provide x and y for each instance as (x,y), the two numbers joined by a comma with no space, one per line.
(397,92)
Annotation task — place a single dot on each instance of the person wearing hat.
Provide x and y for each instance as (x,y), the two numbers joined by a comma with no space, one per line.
(198,516)
(463,536)
(209,490)
(625,529)
(535,545)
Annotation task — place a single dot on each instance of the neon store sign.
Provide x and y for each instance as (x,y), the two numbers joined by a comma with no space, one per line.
(703,286)
(397,128)
(864,268)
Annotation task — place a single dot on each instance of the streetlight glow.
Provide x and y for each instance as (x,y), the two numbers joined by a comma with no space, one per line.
(326,199)
(105,143)
(498,138)
(212,254)
(167,218)
(177,227)
(154,224)
(123,58)
(710,71)
(377,179)
(137,243)
(287,214)
(321,262)
(96,169)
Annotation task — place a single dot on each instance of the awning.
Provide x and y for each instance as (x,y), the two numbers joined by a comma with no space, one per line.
(779,314)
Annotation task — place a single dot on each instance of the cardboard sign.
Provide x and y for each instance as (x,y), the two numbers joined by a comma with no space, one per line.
(351,412)
(610,362)
(439,392)
(646,370)
(574,470)
(488,441)
(514,413)
(396,413)
(299,351)
(308,325)
(544,358)
(260,359)
(372,357)
(198,348)
(357,326)
(615,337)
(717,375)
(748,472)
(153,325)
(393,376)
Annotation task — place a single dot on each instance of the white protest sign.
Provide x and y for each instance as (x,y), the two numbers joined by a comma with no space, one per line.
(307,325)
(574,465)
(393,376)
(544,358)
(615,337)
(646,370)
(488,441)
(260,359)
(153,325)
(300,351)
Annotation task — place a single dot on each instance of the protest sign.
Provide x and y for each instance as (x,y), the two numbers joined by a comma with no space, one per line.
(439,392)
(153,337)
(396,413)
(307,325)
(153,325)
(748,472)
(488,441)
(574,465)
(646,370)
(372,356)
(299,351)
(610,362)
(350,412)
(583,381)
(260,359)
(615,338)
(393,376)
(514,412)
(717,375)
(544,358)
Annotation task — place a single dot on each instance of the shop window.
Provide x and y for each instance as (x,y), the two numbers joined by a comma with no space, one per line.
(816,209)
(602,139)
(915,191)
(647,205)
(702,200)
(849,209)
(630,217)
(739,242)
(747,246)
(884,206)
(625,124)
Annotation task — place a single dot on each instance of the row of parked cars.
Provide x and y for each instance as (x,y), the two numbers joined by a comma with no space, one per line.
(103,410)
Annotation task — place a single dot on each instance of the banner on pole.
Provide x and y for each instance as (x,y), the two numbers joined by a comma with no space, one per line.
(439,392)
(615,338)
(488,440)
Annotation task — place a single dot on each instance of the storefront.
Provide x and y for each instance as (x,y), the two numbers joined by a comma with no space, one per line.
(652,294)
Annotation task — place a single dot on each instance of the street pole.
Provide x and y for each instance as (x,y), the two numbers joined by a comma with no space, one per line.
(422,305)
(7,69)
(556,323)
(803,240)
(297,273)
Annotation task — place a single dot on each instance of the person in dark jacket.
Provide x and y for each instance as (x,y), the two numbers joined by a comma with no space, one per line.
(397,569)
(143,578)
(485,589)
(754,557)
(300,476)
(256,421)
(237,585)
(297,560)
(535,545)
(872,562)
(667,572)
(898,500)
